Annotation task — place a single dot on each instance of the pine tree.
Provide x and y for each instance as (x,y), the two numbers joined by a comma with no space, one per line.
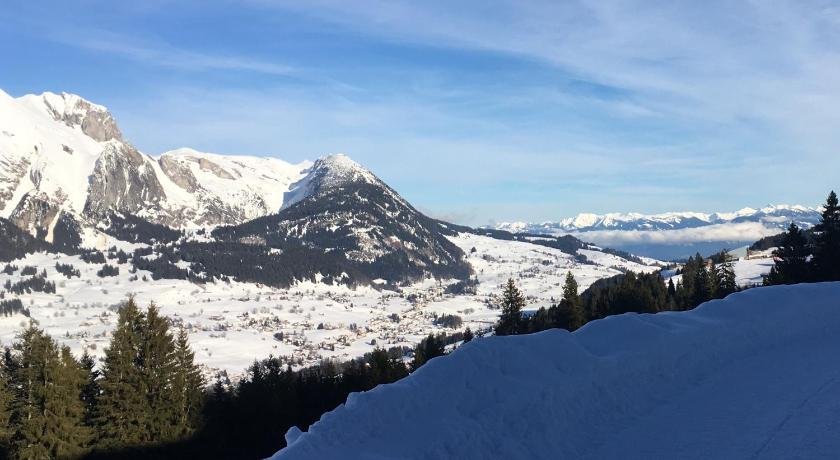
(713,282)
(428,348)
(702,281)
(70,410)
(727,283)
(689,292)
(827,245)
(510,321)
(28,418)
(122,411)
(791,259)
(158,368)
(571,315)
(48,413)
(468,335)
(91,389)
(188,385)
(6,397)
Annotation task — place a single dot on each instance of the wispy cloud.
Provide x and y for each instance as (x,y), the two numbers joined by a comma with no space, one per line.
(719,62)
(160,53)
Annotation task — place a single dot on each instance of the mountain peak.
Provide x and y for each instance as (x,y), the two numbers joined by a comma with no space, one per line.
(75,111)
(339,168)
(326,173)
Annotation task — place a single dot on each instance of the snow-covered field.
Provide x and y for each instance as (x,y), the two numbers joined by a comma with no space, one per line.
(752,376)
(231,324)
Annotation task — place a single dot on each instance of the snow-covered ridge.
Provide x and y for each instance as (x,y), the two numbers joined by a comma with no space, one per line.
(667,221)
(750,376)
(251,186)
(61,154)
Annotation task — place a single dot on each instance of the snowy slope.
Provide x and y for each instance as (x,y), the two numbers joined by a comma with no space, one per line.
(39,154)
(227,189)
(751,376)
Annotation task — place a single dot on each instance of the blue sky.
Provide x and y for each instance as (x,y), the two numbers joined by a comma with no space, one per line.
(476,111)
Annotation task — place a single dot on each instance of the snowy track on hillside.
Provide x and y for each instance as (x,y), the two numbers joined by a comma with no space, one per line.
(753,376)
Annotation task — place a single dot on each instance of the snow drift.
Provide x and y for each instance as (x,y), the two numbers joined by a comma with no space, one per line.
(753,375)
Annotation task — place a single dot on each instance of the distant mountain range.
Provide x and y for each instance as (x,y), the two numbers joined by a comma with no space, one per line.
(778,216)
(674,235)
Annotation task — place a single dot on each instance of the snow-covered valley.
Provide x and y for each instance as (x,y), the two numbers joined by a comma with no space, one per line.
(232,323)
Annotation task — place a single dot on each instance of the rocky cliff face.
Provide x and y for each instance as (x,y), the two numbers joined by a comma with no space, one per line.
(122,180)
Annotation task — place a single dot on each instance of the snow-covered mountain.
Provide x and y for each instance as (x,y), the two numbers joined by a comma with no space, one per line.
(675,235)
(339,207)
(772,215)
(63,155)
(750,376)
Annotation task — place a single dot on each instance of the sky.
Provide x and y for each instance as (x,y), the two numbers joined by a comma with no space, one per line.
(475,111)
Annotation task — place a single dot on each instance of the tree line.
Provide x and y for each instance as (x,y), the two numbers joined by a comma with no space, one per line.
(148,399)
(701,280)
(52,405)
(813,256)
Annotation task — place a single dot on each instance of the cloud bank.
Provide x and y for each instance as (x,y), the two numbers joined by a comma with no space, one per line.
(722,233)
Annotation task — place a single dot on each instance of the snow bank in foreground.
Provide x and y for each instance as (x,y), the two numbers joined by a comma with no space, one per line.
(754,375)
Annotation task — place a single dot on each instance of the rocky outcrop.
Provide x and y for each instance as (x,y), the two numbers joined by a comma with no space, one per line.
(94,120)
(35,213)
(11,173)
(122,180)
(178,173)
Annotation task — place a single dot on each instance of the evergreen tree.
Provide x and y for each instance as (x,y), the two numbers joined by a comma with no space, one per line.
(702,288)
(122,411)
(791,259)
(188,385)
(428,348)
(158,366)
(468,335)
(6,397)
(47,412)
(571,315)
(71,413)
(510,321)
(713,282)
(691,289)
(91,389)
(727,283)
(827,245)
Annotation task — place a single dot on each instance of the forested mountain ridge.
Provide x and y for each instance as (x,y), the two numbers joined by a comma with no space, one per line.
(341,208)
